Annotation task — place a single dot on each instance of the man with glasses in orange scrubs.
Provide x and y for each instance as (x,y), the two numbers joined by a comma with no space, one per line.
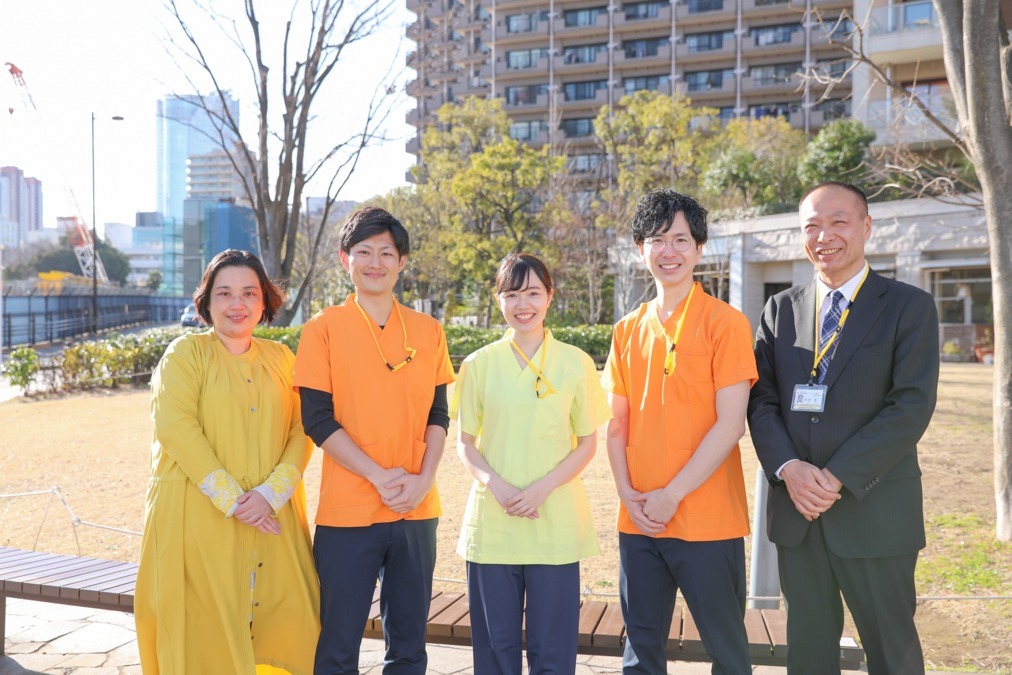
(679,375)
(372,375)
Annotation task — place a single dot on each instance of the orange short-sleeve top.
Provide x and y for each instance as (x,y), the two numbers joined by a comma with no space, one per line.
(384,412)
(670,414)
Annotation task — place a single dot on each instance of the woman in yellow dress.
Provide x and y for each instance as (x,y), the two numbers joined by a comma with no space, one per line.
(529,409)
(226,581)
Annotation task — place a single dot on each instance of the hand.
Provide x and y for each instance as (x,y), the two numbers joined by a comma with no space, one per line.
(411,488)
(632,500)
(834,483)
(810,490)
(658,505)
(253,510)
(385,476)
(504,492)
(526,502)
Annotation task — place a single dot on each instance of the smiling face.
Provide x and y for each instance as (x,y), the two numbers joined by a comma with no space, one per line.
(374,265)
(669,267)
(237,302)
(835,225)
(525,309)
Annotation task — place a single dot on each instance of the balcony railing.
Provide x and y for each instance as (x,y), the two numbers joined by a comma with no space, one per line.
(908,16)
(896,114)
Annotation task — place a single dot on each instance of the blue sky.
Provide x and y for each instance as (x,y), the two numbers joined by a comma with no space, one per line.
(109,57)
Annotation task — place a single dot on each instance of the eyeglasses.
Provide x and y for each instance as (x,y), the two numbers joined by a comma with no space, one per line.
(657,244)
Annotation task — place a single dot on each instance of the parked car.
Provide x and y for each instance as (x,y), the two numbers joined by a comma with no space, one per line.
(190,316)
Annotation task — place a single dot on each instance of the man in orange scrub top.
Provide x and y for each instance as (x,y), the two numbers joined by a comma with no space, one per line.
(372,375)
(679,374)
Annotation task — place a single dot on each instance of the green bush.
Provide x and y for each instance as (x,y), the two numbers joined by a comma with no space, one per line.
(22,366)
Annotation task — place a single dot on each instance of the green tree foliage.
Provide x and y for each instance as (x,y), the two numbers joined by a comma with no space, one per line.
(117,265)
(837,152)
(154,281)
(654,140)
(755,165)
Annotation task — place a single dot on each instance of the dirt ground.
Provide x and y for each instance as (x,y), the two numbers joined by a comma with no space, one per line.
(93,447)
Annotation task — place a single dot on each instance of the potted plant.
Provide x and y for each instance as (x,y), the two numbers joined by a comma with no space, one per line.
(952,350)
(984,349)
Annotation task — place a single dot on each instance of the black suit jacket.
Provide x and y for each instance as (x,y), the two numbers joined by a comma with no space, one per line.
(882,381)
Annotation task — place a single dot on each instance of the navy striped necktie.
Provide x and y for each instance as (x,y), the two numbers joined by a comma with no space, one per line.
(829,326)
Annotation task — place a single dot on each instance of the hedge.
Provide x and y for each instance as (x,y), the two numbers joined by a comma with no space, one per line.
(130,359)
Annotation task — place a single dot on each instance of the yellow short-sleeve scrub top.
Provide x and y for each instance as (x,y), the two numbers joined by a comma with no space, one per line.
(523,437)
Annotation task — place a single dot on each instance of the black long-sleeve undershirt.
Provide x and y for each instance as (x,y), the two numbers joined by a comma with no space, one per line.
(318,413)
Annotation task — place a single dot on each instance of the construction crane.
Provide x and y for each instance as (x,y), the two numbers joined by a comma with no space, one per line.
(79,235)
(84,248)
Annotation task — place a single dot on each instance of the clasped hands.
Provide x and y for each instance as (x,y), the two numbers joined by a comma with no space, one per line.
(400,490)
(812,490)
(516,502)
(650,511)
(253,510)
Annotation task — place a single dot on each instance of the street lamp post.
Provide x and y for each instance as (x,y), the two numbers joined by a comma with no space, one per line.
(94,233)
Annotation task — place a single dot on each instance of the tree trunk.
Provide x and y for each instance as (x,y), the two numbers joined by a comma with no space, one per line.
(973,43)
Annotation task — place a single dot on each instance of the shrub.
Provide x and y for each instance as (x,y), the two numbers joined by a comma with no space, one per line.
(22,366)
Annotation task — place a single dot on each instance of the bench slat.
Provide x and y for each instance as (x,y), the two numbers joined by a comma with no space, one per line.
(692,644)
(611,629)
(675,632)
(442,624)
(590,615)
(759,644)
(45,584)
(776,627)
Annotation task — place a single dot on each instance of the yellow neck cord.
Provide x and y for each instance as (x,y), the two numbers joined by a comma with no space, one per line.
(538,372)
(669,358)
(821,353)
(411,352)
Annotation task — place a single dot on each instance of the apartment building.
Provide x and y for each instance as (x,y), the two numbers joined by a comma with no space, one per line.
(556,63)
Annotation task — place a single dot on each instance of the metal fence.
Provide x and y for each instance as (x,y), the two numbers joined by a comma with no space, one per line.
(32,316)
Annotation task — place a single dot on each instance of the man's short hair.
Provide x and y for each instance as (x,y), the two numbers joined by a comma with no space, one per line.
(656,211)
(368,222)
(849,187)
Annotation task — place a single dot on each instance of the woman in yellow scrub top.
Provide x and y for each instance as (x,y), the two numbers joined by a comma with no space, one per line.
(226,581)
(528,408)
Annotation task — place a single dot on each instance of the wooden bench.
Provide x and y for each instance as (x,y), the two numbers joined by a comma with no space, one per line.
(107,584)
(64,579)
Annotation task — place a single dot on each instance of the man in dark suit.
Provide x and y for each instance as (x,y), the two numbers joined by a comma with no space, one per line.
(848,373)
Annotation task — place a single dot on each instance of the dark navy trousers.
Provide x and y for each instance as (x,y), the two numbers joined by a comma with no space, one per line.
(349,560)
(711,577)
(496,596)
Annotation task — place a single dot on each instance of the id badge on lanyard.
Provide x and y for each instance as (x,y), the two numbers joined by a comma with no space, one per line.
(809,398)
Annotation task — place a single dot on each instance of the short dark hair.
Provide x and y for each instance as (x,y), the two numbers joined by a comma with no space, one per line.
(274,297)
(514,270)
(849,187)
(656,211)
(368,222)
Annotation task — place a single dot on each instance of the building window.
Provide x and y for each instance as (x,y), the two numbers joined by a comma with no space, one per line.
(726,114)
(833,67)
(583,91)
(583,53)
(834,109)
(706,80)
(524,58)
(770,3)
(781,73)
(584,163)
(707,42)
(643,10)
(699,6)
(583,17)
(638,49)
(649,82)
(774,35)
(525,95)
(525,23)
(579,127)
(837,29)
(526,131)
(963,295)
(773,110)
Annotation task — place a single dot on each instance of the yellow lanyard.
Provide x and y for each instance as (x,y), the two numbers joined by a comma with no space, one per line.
(821,353)
(538,372)
(411,352)
(669,358)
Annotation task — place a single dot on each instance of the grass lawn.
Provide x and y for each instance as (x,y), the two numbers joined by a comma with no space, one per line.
(94,447)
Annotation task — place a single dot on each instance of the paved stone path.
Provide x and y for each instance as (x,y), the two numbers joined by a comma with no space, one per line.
(49,638)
